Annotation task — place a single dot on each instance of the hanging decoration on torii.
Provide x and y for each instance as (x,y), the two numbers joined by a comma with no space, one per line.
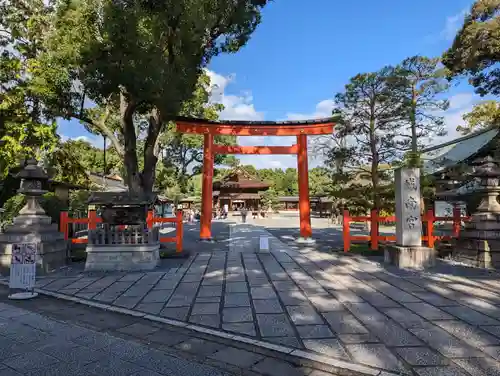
(301,129)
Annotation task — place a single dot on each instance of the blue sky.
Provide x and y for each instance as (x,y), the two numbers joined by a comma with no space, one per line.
(300,56)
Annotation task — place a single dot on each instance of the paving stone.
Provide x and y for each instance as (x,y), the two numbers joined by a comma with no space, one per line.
(493,351)
(237,300)
(72,353)
(127,301)
(86,295)
(210,291)
(238,314)
(275,367)
(177,313)
(112,367)
(387,330)
(30,360)
(235,278)
(94,340)
(345,296)
(326,303)
(179,301)
(274,325)
(165,285)
(157,296)
(330,347)
(232,287)
(67,369)
(131,277)
(259,282)
(137,291)
(376,356)
(208,299)
(480,366)
(358,338)
(428,311)
(166,337)
(285,341)
(151,278)
(284,286)
(420,356)
(119,287)
(107,298)
(293,297)
(471,316)
(263,293)
(468,333)
(314,331)
(435,299)
(443,342)
(192,278)
(205,308)
(441,371)
(199,346)
(187,288)
(304,315)
(247,328)
(126,350)
(206,320)
(267,306)
(153,308)
(344,323)
(405,318)
(139,329)
(237,357)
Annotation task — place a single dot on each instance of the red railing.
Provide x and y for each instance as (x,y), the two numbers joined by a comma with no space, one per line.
(92,220)
(374,238)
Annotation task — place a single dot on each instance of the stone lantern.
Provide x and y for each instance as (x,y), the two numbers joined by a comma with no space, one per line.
(479,243)
(32,225)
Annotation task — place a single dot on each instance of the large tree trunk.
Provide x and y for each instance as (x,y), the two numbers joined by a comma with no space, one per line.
(151,151)
(132,178)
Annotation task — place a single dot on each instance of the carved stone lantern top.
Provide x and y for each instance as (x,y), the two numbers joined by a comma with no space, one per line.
(32,178)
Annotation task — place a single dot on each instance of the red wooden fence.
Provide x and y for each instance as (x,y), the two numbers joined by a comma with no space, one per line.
(374,238)
(92,220)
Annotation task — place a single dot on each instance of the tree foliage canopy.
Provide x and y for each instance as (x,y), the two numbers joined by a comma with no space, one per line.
(476,49)
(483,115)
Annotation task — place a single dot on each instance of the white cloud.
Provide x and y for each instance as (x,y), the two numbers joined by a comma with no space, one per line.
(452,25)
(236,107)
(323,110)
(460,104)
(95,141)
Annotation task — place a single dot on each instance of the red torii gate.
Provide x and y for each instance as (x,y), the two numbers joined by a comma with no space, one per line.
(300,129)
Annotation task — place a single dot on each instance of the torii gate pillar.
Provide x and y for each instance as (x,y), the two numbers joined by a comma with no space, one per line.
(303,175)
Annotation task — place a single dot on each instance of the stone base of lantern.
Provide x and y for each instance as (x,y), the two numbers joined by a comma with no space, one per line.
(52,248)
(126,257)
(479,243)
(416,257)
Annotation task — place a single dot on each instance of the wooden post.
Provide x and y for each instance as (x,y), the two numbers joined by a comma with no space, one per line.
(346,231)
(150,219)
(456,221)
(63,224)
(92,216)
(179,234)
(206,190)
(430,228)
(303,172)
(374,230)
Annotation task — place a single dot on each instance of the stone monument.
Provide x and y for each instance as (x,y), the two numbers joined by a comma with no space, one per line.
(479,243)
(125,241)
(408,251)
(32,225)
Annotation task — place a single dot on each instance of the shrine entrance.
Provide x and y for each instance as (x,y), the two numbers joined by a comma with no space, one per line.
(300,129)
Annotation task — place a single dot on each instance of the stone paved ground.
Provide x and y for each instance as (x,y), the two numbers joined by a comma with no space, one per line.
(53,337)
(444,322)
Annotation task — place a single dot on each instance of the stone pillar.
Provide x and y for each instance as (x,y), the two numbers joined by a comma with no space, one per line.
(408,251)
(32,225)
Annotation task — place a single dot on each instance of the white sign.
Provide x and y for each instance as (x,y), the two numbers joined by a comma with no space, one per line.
(264,243)
(23,266)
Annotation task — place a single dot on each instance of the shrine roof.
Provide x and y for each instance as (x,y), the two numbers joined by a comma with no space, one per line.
(240,179)
(439,158)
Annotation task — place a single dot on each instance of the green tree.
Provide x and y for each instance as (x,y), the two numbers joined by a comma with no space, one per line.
(475,51)
(25,130)
(483,115)
(319,181)
(418,83)
(143,59)
(370,117)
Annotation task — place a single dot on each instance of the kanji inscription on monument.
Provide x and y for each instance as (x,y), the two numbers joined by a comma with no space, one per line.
(408,225)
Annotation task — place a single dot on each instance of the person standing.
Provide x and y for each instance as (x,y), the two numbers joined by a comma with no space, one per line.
(244,213)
